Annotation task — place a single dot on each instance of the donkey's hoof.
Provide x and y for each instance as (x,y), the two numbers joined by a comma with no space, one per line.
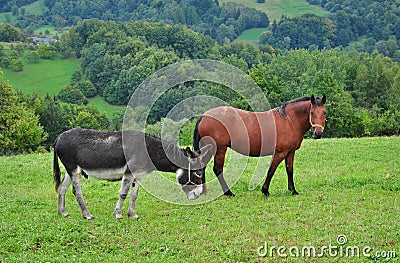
(229,193)
(63,213)
(134,216)
(117,215)
(88,217)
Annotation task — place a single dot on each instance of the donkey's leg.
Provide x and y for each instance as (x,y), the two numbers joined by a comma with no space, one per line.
(62,190)
(133,197)
(276,160)
(219,160)
(123,193)
(76,189)
(289,170)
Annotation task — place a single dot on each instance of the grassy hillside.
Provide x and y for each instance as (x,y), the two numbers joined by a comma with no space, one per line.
(251,34)
(49,77)
(36,8)
(348,188)
(276,8)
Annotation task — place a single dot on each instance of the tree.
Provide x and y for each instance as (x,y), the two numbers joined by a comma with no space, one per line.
(45,51)
(72,94)
(9,33)
(20,130)
(17,65)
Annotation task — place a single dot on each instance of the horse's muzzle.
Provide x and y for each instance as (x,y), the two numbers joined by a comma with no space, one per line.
(317,134)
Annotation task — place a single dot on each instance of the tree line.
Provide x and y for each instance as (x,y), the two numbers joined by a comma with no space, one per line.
(366,25)
(362,88)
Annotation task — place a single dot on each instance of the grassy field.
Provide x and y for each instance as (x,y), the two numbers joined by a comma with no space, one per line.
(49,77)
(349,188)
(36,8)
(104,106)
(45,77)
(251,34)
(276,8)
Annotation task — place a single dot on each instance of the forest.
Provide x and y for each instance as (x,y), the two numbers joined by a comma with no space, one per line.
(366,25)
(362,86)
(223,23)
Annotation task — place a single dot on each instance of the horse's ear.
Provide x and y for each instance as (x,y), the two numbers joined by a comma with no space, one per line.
(323,100)
(313,102)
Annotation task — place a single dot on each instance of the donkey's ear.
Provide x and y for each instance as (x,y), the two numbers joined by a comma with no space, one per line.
(207,153)
(188,152)
(323,100)
(313,102)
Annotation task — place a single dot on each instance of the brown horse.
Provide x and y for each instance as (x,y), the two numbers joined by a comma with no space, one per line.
(278,131)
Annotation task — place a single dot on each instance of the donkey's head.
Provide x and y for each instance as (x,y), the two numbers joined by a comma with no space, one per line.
(192,179)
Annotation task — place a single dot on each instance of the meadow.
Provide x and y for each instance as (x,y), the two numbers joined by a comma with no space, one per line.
(349,189)
(36,8)
(49,77)
(276,8)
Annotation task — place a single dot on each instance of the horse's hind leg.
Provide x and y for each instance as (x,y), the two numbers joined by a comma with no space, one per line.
(76,189)
(218,169)
(62,190)
(277,159)
(289,170)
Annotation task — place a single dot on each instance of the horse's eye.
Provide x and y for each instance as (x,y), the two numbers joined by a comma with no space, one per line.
(312,113)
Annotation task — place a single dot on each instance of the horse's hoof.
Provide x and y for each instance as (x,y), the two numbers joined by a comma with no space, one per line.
(294,192)
(265,192)
(229,193)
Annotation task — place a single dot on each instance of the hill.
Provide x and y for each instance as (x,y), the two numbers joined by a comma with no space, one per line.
(349,191)
(48,76)
(275,9)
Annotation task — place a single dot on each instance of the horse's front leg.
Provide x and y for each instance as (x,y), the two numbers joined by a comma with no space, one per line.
(123,193)
(219,160)
(276,160)
(133,197)
(289,160)
(76,189)
(62,190)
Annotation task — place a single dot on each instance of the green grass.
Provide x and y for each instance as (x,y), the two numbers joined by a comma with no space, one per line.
(103,106)
(251,34)
(41,31)
(36,8)
(276,8)
(45,77)
(347,187)
(49,77)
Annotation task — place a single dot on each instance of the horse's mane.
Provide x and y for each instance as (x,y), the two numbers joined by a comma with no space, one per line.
(282,109)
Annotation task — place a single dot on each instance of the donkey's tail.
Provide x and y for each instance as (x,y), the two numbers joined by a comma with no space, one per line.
(196,136)
(56,167)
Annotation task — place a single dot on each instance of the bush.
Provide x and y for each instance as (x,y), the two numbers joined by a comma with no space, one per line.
(71,94)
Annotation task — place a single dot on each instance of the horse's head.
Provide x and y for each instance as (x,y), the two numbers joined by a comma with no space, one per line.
(192,180)
(317,116)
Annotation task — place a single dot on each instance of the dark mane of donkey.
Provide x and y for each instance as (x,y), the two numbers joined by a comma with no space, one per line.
(282,109)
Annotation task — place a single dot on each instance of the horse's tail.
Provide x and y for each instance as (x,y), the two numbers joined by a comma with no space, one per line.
(56,167)
(196,136)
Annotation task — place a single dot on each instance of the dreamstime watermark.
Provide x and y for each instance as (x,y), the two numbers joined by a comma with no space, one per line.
(175,75)
(339,249)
